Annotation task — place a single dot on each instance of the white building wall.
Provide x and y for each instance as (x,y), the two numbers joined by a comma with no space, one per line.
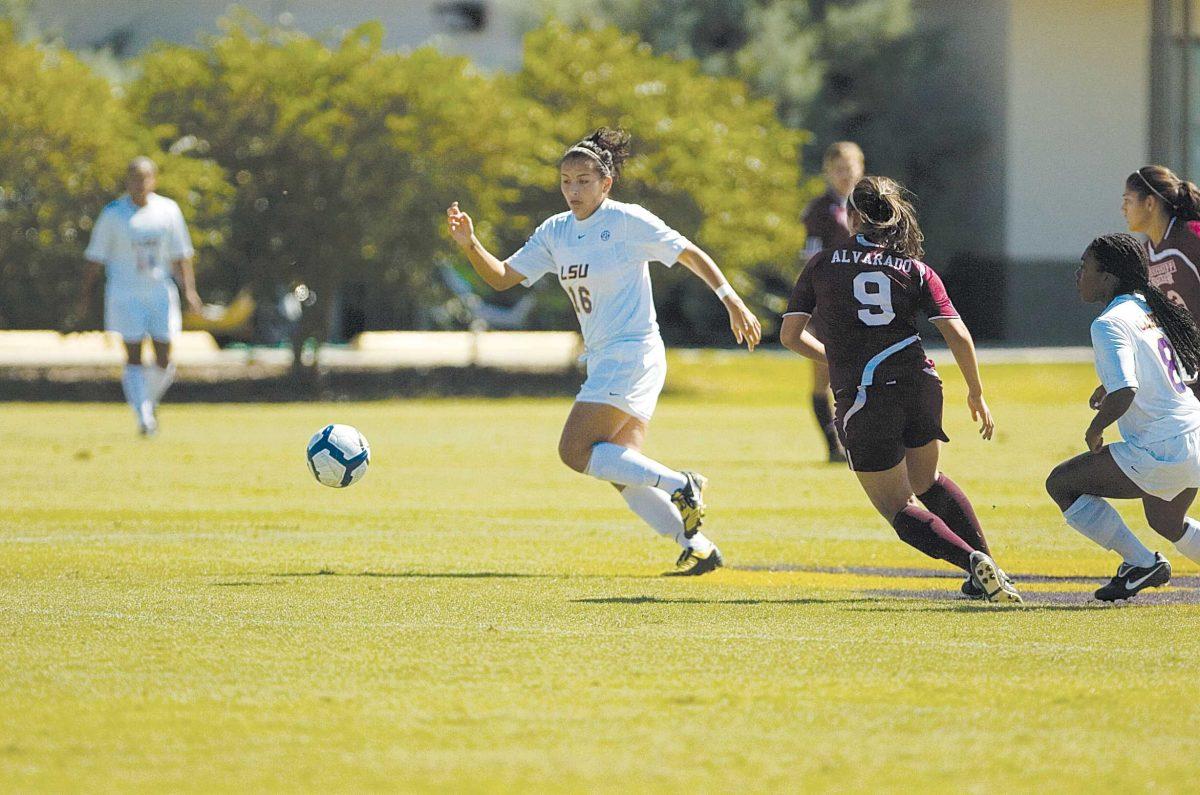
(1077,120)
(408,23)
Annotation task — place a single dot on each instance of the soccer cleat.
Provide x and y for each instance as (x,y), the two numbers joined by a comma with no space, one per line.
(972,591)
(988,578)
(690,501)
(692,565)
(1132,579)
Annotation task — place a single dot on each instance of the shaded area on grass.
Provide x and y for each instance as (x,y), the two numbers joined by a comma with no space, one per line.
(1059,599)
(912,572)
(271,385)
(468,575)
(688,600)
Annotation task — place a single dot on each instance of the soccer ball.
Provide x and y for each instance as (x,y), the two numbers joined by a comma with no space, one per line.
(338,455)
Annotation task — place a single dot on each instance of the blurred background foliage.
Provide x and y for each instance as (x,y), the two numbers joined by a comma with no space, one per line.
(331,163)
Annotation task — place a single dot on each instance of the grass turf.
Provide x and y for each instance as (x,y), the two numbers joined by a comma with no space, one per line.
(195,613)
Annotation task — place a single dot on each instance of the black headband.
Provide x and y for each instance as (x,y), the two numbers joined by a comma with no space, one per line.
(603,158)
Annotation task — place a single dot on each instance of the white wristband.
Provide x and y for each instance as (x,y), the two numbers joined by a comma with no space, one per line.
(724,291)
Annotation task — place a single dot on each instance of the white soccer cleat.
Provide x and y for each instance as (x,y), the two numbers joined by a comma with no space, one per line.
(991,581)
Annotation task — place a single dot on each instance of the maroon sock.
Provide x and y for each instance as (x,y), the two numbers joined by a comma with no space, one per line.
(919,528)
(823,411)
(951,505)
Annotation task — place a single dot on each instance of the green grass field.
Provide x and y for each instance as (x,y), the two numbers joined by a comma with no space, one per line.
(195,613)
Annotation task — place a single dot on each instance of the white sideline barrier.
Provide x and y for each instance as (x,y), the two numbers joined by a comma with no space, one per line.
(509,350)
(92,348)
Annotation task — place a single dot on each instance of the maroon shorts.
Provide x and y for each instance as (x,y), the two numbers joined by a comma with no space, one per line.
(878,423)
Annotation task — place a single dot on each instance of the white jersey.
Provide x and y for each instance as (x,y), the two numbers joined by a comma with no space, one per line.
(137,245)
(601,262)
(1132,351)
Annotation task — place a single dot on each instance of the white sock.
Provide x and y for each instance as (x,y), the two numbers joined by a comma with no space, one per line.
(161,379)
(1100,522)
(655,508)
(133,381)
(626,467)
(1189,544)
(701,545)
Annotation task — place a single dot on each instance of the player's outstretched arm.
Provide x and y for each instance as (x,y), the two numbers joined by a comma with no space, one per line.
(742,322)
(493,271)
(958,338)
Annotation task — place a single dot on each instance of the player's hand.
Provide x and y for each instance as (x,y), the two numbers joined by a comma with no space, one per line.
(462,228)
(1097,398)
(745,326)
(1094,439)
(981,414)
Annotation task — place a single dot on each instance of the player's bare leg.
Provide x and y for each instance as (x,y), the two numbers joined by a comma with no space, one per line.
(1168,517)
(822,406)
(1078,486)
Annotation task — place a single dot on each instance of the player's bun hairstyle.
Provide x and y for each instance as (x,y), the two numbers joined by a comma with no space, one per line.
(887,217)
(1124,256)
(607,149)
(1180,198)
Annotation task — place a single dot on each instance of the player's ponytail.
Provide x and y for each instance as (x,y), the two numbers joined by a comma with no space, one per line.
(607,149)
(1124,256)
(1180,198)
(887,217)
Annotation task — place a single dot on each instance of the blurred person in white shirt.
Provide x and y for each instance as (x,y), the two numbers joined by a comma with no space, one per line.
(141,241)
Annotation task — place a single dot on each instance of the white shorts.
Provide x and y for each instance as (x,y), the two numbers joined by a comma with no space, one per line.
(1164,468)
(629,376)
(139,313)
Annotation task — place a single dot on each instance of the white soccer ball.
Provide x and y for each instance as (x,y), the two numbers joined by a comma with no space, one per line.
(338,456)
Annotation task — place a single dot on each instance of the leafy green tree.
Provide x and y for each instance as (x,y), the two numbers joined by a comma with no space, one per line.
(343,158)
(711,160)
(64,144)
(857,69)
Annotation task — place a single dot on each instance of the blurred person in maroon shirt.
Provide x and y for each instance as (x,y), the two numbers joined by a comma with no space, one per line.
(827,225)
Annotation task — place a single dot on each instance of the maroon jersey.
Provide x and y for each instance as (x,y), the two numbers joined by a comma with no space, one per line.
(826,222)
(869,298)
(1173,264)
(827,225)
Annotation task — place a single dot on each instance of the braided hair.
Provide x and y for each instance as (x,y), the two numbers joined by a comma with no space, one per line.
(607,149)
(1180,198)
(887,216)
(1125,257)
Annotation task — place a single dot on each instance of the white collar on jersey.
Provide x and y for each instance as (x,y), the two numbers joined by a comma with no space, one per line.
(862,241)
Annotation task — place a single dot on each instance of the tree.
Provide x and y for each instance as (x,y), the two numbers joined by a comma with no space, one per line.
(857,69)
(342,157)
(65,142)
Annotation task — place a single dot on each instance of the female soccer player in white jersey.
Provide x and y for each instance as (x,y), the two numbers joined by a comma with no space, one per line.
(1144,343)
(140,239)
(599,251)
